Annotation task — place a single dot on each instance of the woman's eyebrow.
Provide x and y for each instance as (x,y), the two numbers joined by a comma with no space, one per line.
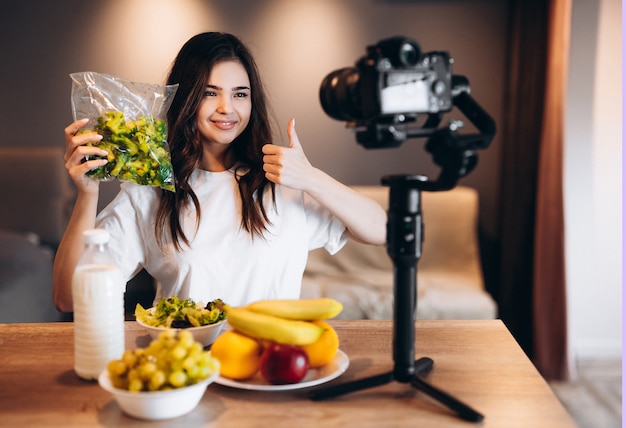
(236,88)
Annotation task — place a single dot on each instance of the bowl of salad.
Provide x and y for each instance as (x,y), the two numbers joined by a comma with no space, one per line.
(205,322)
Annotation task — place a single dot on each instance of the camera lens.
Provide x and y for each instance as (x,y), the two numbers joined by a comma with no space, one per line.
(338,94)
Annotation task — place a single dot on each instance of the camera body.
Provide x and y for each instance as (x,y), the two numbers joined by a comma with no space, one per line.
(393,78)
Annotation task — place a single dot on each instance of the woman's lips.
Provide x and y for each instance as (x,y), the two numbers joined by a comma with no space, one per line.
(224,125)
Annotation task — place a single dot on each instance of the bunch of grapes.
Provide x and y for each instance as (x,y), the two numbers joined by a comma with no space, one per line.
(173,360)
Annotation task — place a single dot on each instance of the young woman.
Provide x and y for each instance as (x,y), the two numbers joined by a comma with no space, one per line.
(245,212)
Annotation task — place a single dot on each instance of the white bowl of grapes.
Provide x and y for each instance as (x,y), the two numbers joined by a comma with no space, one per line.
(205,322)
(165,380)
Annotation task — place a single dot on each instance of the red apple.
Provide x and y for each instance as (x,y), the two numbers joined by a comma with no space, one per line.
(281,364)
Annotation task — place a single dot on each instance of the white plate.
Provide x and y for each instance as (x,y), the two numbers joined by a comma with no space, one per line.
(313,377)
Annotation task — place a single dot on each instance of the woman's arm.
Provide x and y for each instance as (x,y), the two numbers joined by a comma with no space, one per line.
(84,213)
(364,218)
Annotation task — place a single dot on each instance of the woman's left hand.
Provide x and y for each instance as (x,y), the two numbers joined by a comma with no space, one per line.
(288,166)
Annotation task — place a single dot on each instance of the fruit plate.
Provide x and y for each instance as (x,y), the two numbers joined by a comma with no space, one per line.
(313,377)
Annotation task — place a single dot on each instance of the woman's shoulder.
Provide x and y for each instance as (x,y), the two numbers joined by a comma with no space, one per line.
(132,202)
(137,195)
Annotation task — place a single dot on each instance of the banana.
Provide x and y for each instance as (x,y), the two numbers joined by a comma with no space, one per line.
(298,309)
(268,327)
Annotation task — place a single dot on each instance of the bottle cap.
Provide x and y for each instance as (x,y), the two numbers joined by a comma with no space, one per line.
(96,236)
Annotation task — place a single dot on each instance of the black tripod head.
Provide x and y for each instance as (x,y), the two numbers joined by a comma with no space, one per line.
(455,153)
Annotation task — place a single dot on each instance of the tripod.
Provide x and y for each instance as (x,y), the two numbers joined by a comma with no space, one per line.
(404,239)
(456,155)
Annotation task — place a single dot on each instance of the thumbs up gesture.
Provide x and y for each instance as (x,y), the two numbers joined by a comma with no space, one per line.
(288,165)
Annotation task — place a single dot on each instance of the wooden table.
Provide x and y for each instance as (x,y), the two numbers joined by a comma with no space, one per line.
(478,362)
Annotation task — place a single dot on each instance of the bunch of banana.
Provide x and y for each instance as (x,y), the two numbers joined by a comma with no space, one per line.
(283,321)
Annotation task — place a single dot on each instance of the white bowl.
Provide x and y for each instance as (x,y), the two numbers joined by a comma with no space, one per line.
(159,404)
(205,334)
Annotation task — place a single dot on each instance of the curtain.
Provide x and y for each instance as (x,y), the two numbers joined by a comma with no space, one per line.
(550,315)
(531,290)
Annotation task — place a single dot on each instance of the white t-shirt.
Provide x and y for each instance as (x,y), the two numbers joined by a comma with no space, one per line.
(224,261)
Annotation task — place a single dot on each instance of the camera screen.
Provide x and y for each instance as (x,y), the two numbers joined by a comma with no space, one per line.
(404,92)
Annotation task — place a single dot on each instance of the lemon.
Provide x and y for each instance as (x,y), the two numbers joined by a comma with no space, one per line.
(238,354)
(324,349)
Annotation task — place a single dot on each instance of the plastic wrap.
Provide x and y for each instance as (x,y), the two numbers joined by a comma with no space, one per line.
(131,117)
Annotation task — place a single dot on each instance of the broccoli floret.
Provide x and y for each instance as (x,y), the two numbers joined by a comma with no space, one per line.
(113,122)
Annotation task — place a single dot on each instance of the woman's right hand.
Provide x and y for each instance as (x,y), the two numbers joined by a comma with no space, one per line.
(76,152)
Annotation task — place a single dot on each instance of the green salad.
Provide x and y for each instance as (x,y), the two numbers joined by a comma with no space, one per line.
(173,312)
(136,150)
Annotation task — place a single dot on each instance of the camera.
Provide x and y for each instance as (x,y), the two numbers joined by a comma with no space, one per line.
(393,78)
(383,95)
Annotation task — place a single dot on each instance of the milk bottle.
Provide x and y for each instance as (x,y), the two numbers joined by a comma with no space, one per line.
(98,295)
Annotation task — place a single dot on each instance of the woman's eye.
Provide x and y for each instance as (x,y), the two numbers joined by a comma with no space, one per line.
(241,95)
(209,93)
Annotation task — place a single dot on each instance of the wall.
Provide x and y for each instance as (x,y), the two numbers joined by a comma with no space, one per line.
(296,43)
(593,177)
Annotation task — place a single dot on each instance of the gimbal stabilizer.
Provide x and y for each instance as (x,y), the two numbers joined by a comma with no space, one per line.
(456,155)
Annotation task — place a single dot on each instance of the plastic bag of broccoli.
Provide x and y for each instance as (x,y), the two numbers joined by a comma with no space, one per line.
(131,118)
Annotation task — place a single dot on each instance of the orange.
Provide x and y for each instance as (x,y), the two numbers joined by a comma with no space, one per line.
(324,349)
(239,355)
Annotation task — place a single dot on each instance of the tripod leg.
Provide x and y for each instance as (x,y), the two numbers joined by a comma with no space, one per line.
(356,385)
(423,366)
(463,410)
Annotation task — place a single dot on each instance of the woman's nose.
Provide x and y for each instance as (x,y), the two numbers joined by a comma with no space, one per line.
(224,105)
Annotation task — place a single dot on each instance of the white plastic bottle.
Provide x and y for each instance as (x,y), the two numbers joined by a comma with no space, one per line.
(98,295)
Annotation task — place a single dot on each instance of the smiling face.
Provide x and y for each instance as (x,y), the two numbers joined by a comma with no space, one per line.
(225,109)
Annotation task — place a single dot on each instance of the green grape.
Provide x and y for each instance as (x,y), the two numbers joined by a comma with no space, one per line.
(129,358)
(146,370)
(185,339)
(177,378)
(154,348)
(117,367)
(135,385)
(176,365)
(173,360)
(206,359)
(167,336)
(119,382)
(204,372)
(178,352)
(196,349)
(133,374)
(193,373)
(190,362)
(157,380)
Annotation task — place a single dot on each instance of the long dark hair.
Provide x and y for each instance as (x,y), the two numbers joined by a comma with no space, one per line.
(191,70)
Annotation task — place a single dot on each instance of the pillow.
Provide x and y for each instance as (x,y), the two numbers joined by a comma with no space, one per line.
(36,191)
(25,279)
